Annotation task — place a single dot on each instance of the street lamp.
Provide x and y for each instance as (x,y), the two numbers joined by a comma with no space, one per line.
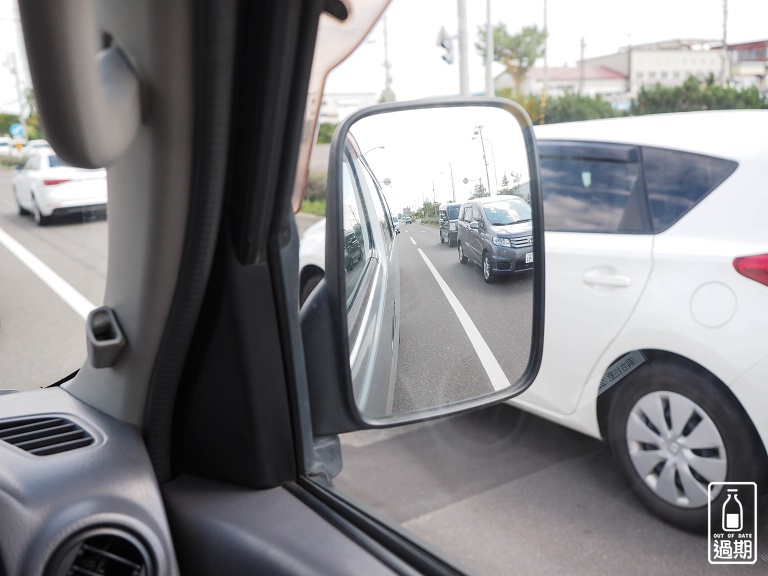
(479,130)
(374,148)
(493,157)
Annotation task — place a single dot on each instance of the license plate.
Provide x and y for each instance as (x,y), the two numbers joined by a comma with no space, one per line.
(528,257)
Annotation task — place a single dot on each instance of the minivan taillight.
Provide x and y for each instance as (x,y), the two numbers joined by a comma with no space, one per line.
(53,182)
(753,267)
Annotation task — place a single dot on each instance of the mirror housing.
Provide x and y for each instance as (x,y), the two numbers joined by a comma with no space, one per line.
(335,366)
(474,225)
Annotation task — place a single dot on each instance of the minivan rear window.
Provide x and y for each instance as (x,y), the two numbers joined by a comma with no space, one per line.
(453,212)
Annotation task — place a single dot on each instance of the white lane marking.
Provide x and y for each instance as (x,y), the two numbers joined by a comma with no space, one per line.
(412,240)
(79,303)
(498,380)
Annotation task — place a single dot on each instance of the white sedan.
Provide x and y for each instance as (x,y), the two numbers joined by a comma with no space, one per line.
(46,186)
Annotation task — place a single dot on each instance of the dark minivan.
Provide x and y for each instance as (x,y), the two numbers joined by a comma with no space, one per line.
(496,233)
(449,217)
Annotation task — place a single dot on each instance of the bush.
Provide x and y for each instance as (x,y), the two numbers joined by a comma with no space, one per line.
(316,184)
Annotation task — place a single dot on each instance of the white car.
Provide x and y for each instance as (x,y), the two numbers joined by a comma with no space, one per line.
(657,298)
(46,186)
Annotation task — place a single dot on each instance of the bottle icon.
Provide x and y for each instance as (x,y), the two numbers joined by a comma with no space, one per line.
(733,512)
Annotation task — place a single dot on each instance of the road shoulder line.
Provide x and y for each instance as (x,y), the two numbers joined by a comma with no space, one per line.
(79,303)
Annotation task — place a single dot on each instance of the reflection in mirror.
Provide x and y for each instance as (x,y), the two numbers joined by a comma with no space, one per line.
(443,312)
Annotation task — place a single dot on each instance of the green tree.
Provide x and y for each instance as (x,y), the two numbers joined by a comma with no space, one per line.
(325,132)
(518,52)
(5,123)
(571,107)
(531,102)
(695,94)
(510,187)
(479,191)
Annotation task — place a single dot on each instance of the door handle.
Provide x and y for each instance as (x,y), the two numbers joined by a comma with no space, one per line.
(601,278)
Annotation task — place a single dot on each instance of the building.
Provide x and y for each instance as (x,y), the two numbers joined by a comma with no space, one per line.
(749,64)
(587,80)
(668,63)
(618,77)
(336,107)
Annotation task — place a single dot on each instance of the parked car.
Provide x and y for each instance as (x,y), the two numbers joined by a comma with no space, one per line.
(657,267)
(449,223)
(46,186)
(495,233)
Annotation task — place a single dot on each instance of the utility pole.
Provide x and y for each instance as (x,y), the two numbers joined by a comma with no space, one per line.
(10,63)
(463,50)
(581,67)
(479,129)
(453,186)
(388,94)
(546,70)
(723,71)
(489,50)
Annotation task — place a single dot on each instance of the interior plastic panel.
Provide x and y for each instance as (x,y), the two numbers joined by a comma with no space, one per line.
(46,499)
(231,530)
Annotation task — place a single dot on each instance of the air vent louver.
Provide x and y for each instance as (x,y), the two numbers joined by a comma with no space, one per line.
(101,552)
(44,436)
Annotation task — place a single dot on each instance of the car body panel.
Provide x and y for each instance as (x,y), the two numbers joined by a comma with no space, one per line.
(692,302)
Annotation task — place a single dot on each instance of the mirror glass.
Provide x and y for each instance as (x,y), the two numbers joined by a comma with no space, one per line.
(438,257)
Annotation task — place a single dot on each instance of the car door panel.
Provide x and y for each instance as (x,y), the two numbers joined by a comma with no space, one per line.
(593,280)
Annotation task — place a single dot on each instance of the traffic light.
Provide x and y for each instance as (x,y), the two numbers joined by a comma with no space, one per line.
(446,42)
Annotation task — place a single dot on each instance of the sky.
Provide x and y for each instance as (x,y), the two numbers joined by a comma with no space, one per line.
(606,25)
(413,25)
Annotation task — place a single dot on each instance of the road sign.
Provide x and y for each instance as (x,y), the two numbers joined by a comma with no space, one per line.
(17,130)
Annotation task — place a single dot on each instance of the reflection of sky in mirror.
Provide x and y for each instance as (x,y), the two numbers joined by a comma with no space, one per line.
(428,153)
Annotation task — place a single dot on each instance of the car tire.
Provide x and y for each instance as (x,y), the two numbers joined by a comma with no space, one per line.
(40,220)
(462,258)
(669,464)
(22,211)
(442,240)
(487,270)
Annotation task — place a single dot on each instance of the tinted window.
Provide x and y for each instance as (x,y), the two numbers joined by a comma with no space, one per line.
(677,181)
(55,161)
(381,207)
(587,188)
(357,233)
(453,212)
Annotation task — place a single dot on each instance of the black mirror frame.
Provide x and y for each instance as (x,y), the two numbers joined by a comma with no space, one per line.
(324,318)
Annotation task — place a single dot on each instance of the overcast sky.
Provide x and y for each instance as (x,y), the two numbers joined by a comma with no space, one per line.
(606,25)
(418,71)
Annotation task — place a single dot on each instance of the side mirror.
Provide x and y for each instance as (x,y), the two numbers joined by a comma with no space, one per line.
(474,225)
(365,331)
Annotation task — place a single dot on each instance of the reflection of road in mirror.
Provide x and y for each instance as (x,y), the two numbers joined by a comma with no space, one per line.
(438,363)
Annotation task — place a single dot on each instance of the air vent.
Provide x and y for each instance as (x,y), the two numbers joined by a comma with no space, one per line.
(101,552)
(44,436)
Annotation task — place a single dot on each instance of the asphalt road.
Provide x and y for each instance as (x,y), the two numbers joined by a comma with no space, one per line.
(42,339)
(498,491)
(437,361)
